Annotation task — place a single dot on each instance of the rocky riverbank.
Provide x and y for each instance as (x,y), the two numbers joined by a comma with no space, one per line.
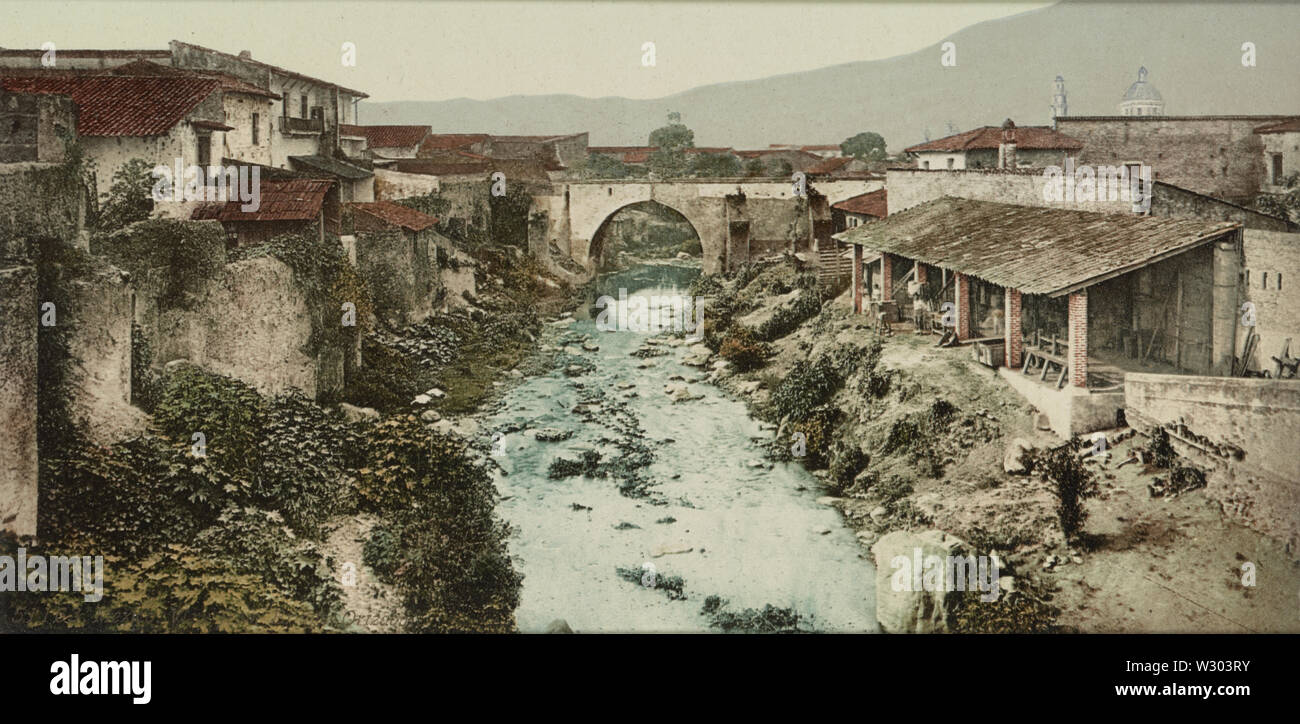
(920,447)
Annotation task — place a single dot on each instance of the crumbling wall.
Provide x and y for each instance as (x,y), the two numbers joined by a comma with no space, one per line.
(94,311)
(1260,417)
(250,322)
(18,358)
(400,272)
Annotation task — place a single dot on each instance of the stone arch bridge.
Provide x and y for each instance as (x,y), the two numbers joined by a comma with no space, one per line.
(735,219)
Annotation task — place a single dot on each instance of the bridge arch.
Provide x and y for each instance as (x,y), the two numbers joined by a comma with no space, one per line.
(592,205)
(600,240)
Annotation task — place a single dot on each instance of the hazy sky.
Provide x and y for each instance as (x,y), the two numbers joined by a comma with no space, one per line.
(413,50)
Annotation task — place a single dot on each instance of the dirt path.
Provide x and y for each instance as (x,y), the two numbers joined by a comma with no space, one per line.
(370,605)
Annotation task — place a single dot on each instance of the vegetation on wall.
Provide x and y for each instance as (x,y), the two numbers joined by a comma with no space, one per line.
(328,280)
(183,254)
(129,198)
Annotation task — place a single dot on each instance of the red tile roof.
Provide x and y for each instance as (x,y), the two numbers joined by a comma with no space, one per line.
(1291,126)
(281,200)
(990,137)
(874,203)
(388,136)
(831,165)
(821,147)
(123,105)
(395,214)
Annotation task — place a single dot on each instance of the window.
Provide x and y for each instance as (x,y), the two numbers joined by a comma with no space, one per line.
(1277,169)
(853,221)
(304,105)
(950,162)
(925,165)
(1264,283)
(205,150)
(257,119)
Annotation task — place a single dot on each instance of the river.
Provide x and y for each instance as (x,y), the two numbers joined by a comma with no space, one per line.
(751,534)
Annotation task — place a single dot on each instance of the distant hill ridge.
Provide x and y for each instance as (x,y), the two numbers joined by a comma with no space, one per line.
(1005,68)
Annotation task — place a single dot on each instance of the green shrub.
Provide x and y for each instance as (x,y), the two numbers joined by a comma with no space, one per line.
(258,543)
(117,500)
(742,349)
(457,575)
(787,318)
(382,551)
(1072,482)
(286,455)
(175,590)
(847,460)
(808,386)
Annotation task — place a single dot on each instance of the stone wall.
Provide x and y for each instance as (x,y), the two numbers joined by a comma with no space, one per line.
(94,313)
(400,269)
(1259,416)
(394,185)
(1216,155)
(33,127)
(18,357)
(910,187)
(1271,276)
(250,321)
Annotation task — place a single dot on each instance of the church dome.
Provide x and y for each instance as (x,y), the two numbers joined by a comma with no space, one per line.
(1142,98)
(1142,90)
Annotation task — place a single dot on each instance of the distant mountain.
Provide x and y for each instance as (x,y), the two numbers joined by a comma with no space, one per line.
(1005,68)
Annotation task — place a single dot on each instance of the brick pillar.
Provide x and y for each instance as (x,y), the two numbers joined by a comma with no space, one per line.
(1079,338)
(858,279)
(1013,335)
(963,306)
(886,277)
(920,273)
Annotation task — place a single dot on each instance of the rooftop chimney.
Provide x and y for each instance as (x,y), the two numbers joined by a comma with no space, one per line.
(1007,149)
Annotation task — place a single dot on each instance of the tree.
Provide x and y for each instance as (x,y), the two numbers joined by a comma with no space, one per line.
(601,166)
(130,198)
(668,163)
(866,145)
(715,165)
(754,167)
(674,136)
(1285,205)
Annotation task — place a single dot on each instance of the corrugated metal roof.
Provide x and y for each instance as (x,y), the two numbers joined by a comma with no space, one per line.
(123,105)
(1034,249)
(287,200)
(395,214)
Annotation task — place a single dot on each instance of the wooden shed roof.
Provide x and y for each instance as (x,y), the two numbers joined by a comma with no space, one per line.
(1034,249)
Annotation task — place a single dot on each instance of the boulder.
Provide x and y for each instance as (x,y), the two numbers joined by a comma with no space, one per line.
(1043,422)
(421,400)
(435,393)
(352,413)
(1011,458)
(900,607)
(430,416)
(553,434)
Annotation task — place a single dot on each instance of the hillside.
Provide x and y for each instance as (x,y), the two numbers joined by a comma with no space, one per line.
(1005,68)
